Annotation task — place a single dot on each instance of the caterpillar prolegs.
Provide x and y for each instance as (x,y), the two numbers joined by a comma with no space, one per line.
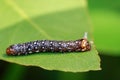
(79,45)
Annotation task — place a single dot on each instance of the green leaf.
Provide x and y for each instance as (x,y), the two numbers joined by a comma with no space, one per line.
(106,20)
(54,20)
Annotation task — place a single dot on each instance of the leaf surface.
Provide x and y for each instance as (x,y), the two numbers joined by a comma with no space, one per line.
(66,20)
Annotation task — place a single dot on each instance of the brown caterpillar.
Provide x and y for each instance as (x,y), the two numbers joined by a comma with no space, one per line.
(79,45)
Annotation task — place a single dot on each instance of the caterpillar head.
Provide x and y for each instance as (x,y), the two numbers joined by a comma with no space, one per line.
(10,51)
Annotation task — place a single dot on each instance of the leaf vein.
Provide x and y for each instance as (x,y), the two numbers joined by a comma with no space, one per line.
(26,17)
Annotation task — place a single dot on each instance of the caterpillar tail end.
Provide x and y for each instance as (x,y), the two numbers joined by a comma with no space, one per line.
(85,44)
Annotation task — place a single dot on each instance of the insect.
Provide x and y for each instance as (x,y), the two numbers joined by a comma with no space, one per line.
(79,45)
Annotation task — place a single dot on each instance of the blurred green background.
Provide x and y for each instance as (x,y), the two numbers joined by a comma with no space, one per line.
(105,18)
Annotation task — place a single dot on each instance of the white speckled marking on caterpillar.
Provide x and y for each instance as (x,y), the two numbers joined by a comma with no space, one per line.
(49,46)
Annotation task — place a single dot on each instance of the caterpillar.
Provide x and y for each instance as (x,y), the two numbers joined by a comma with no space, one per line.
(79,45)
